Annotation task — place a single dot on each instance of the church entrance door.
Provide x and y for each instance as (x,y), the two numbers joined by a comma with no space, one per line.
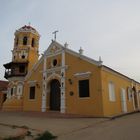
(55,95)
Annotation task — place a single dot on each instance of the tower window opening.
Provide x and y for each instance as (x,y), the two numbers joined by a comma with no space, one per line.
(22,69)
(33,42)
(11,91)
(16,41)
(25,40)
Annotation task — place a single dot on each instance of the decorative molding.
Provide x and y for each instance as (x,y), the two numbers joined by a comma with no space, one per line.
(32,83)
(56,69)
(53,76)
(82,74)
(27,31)
(44,85)
(63,69)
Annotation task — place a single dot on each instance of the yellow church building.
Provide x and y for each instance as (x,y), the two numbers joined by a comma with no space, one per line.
(65,81)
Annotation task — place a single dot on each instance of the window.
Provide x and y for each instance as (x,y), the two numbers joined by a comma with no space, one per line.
(129,93)
(84,88)
(54,62)
(22,69)
(32,93)
(25,40)
(111,91)
(33,42)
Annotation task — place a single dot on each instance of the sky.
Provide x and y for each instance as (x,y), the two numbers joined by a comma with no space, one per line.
(106,28)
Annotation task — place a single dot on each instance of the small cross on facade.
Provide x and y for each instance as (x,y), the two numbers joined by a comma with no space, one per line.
(55,32)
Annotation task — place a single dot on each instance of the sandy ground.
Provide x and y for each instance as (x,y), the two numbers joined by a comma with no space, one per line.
(124,128)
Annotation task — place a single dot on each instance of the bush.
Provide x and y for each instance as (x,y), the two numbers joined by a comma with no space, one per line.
(14,138)
(46,136)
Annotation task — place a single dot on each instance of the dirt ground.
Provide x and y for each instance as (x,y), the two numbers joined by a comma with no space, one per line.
(73,128)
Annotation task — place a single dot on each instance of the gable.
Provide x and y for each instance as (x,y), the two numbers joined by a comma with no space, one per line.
(54,49)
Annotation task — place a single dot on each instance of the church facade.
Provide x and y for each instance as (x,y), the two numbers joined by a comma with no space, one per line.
(64,80)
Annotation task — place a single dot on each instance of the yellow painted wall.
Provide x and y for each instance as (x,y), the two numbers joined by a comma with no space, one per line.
(89,105)
(114,108)
(34,104)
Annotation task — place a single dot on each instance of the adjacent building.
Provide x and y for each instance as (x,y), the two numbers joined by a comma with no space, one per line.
(3,92)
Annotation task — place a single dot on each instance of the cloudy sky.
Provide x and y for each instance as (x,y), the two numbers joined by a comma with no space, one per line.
(106,28)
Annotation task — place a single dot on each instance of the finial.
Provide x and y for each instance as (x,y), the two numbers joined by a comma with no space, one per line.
(55,32)
(81,51)
(66,45)
(100,60)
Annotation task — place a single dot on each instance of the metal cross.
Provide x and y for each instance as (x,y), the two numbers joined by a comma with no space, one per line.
(55,34)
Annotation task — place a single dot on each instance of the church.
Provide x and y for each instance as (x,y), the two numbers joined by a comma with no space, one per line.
(65,81)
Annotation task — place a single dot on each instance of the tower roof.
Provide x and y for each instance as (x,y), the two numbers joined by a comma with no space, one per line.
(28,28)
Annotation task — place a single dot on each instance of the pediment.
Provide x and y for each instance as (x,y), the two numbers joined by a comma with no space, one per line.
(53,48)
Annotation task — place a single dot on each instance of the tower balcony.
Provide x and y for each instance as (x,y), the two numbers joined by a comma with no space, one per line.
(9,74)
(15,69)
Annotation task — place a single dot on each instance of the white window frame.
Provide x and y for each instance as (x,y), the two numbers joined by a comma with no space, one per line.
(111,91)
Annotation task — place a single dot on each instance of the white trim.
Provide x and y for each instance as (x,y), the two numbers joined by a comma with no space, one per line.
(83,74)
(63,101)
(32,83)
(44,86)
(52,76)
(54,54)
(56,69)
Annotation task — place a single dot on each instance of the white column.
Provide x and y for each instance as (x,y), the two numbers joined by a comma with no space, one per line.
(44,86)
(62,103)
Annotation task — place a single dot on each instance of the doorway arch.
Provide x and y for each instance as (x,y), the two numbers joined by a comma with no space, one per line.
(55,95)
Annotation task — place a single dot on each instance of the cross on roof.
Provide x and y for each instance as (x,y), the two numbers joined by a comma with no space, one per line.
(55,32)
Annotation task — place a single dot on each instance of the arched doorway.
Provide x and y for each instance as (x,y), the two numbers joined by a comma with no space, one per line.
(55,95)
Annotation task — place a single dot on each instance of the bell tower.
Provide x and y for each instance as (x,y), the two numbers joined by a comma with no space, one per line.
(24,55)
(25,52)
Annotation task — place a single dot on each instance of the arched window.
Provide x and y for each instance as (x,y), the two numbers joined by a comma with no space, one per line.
(25,40)
(33,42)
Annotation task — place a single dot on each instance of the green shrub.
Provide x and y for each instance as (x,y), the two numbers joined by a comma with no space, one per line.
(14,138)
(46,136)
